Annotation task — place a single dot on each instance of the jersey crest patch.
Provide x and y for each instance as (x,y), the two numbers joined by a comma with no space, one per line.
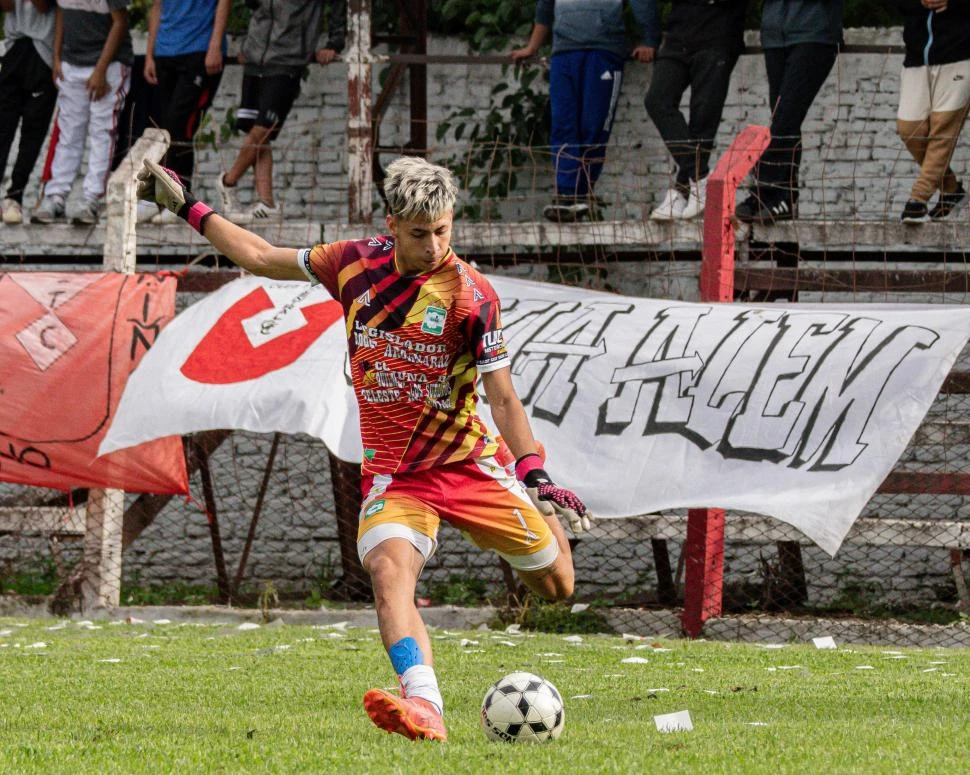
(434,320)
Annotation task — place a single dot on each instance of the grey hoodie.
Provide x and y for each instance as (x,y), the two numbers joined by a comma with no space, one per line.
(283,35)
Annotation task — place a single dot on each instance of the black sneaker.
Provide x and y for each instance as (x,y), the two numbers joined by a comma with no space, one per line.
(767,211)
(947,203)
(564,210)
(915,212)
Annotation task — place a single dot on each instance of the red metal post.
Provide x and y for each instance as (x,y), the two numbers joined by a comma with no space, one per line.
(704,545)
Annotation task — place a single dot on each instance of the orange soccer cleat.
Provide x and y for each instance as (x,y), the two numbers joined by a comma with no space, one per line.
(412,717)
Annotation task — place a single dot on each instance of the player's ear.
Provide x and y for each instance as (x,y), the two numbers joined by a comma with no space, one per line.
(391,222)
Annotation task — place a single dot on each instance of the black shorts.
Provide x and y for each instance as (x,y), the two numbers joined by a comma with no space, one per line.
(266,101)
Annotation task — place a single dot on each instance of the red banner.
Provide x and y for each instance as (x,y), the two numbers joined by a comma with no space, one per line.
(68,342)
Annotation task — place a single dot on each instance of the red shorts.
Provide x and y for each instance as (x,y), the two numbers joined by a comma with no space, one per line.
(479,497)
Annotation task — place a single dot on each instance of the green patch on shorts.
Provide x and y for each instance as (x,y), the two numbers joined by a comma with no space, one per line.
(375,508)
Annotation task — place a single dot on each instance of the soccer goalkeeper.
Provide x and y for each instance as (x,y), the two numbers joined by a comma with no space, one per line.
(422,325)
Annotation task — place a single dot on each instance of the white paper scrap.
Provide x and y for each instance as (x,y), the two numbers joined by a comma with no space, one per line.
(674,722)
(825,642)
(634,661)
(247,626)
(573,639)
(578,608)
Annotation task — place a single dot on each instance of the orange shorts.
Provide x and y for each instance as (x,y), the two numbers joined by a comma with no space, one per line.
(479,497)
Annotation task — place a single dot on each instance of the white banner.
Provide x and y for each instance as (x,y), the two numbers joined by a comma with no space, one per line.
(796,412)
(257,355)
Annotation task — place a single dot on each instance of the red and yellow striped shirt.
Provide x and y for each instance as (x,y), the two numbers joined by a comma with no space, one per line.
(417,344)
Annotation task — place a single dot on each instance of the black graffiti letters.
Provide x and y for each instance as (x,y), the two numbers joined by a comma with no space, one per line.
(798,388)
(144,331)
(789,387)
(562,338)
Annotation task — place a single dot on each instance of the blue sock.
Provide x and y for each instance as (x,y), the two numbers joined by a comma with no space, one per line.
(404,654)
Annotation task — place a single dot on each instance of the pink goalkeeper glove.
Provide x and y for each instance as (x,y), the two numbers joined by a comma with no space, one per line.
(543,492)
(160,185)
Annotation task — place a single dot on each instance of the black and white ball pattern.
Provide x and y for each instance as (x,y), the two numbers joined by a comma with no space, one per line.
(522,708)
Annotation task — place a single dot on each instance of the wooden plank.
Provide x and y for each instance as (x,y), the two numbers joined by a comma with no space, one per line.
(40,242)
(957,382)
(43,520)
(756,529)
(206,281)
(62,239)
(752,278)
(922,482)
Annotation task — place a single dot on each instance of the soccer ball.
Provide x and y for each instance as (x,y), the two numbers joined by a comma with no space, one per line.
(522,708)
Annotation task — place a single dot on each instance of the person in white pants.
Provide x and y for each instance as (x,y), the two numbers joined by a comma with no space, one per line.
(92,69)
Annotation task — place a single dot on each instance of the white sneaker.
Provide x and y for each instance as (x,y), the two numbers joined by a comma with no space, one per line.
(671,208)
(50,210)
(263,213)
(89,212)
(13,213)
(165,217)
(696,200)
(228,204)
(146,211)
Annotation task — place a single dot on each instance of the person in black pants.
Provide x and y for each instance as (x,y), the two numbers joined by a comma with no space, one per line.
(27,93)
(701,45)
(184,61)
(801,39)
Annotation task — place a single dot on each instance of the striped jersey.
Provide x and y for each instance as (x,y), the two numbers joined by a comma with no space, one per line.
(417,344)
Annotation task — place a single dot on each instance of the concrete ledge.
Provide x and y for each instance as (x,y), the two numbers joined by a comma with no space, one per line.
(37,242)
(648,623)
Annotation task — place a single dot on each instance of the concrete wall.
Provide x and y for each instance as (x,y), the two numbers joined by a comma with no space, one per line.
(854,166)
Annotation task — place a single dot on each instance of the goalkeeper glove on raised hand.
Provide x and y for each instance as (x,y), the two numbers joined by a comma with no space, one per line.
(543,492)
(160,185)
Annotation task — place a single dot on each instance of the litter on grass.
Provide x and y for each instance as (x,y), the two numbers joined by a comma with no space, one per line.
(674,722)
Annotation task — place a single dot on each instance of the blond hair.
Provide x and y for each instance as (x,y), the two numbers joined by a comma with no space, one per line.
(416,189)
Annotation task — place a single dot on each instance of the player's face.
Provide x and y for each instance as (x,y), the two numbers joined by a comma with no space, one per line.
(419,246)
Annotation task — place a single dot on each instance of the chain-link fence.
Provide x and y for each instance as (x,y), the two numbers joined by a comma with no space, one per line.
(273,517)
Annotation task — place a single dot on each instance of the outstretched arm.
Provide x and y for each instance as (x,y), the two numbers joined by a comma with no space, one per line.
(242,247)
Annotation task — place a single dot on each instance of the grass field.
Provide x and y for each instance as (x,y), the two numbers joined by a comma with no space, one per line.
(114,697)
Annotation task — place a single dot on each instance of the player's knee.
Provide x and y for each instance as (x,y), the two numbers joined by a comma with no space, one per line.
(558,585)
(563,587)
(379,565)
